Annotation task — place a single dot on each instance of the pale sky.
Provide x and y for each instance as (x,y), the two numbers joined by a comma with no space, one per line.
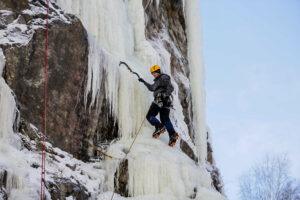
(252,62)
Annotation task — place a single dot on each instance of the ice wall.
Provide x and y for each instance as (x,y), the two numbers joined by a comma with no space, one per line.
(155,169)
(7,104)
(119,27)
(192,10)
(107,21)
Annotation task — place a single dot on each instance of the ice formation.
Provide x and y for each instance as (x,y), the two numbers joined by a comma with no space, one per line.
(192,9)
(156,171)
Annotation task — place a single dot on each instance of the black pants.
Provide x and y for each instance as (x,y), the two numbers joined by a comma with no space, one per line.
(164,113)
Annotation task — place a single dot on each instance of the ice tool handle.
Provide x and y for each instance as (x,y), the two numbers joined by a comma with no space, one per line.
(124,63)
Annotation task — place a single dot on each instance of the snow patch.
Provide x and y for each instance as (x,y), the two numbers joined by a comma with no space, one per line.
(19,32)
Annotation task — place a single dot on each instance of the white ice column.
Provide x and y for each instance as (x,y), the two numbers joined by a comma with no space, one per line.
(197,77)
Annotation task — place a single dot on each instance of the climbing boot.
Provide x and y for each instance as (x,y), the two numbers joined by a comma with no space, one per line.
(159,130)
(173,139)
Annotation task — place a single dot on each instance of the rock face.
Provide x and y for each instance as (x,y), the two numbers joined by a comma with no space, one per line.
(70,125)
(14,4)
(63,188)
(166,22)
(121,179)
(3,194)
(188,150)
(213,170)
(3,177)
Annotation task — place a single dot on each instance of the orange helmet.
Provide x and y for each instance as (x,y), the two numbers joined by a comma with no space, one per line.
(154,68)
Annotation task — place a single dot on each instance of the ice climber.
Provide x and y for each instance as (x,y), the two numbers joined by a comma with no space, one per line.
(162,91)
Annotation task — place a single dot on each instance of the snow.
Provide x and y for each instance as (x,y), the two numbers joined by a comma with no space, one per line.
(19,32)
(205,194)
(15,33)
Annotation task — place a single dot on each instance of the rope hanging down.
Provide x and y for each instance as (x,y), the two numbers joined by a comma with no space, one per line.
(43,181)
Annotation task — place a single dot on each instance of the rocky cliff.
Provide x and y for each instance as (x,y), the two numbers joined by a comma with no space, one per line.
(87,100)
(69,124)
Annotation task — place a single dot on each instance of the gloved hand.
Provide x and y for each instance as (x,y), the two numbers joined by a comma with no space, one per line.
(141,80)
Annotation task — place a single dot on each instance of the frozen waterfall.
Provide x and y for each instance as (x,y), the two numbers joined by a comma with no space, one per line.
(116,32)
(156,171)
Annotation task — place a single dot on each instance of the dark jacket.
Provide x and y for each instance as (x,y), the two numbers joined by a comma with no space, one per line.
(162,84)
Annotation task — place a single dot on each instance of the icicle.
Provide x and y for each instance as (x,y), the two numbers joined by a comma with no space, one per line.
(102,70)
(7,104)
(107,21)
(197,75)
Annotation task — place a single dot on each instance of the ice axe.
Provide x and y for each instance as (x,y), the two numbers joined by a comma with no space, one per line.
(124,63)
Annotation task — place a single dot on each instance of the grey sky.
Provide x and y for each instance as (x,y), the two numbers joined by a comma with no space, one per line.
(252,61)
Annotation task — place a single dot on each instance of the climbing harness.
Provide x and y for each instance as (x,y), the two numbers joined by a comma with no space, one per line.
(124,63)
(129,151)
(43,181)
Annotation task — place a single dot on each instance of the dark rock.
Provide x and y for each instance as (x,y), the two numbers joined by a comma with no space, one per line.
(17,5)
(69,124)
(35,165)
(121,179)
(53,158)
(188,150)
(60,155)
(217,183)
(71,167)
(213,170)
(107,128)
(193,196)
(209,154)
(62,188)
(7,18)
(169,17)
(3,194)
(26,129)
(3,178)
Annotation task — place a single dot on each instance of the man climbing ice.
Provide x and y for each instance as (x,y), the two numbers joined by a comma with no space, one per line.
(162,91)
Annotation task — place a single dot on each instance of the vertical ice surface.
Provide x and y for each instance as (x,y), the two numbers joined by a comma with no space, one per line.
(117,32)
(7,104)
(192,10)
(119,28)
(142,48)
(102,68)
(155,169)
(162,170)
(107,21)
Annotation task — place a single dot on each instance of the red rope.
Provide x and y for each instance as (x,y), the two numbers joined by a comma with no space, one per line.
(45,113)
